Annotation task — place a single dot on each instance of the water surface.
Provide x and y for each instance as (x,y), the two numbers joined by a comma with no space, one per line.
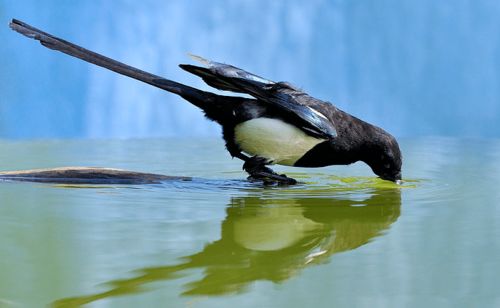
(341,239)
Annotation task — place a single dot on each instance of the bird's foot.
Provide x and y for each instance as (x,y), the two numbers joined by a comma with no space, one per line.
(256,167)
(271,178)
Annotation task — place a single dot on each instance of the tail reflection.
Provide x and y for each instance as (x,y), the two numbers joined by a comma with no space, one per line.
(271,239)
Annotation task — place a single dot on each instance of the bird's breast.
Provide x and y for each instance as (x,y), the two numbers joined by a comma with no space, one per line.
(274,139)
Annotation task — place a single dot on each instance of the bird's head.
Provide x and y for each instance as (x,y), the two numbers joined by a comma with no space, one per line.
(384,157)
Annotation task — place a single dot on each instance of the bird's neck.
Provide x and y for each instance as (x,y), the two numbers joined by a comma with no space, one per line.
(356,141)
(360,141)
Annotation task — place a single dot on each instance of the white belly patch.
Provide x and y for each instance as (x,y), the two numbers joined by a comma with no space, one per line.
(274,139)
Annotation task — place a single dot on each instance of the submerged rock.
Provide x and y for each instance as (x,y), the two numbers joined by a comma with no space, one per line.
(87,175)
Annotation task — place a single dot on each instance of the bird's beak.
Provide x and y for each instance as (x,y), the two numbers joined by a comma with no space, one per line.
(396,179)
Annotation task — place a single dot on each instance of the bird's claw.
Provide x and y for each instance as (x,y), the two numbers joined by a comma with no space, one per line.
(256,167)
(271,178)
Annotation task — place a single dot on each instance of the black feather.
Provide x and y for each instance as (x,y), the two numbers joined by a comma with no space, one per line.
(287,98)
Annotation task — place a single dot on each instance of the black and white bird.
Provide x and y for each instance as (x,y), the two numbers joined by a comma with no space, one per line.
(280,124)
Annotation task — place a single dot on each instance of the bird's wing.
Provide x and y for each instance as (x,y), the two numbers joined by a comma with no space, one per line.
(282,95)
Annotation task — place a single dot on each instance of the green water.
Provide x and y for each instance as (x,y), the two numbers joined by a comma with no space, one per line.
(342,239)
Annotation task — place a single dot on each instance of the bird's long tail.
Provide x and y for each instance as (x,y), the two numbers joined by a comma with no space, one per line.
(193,95)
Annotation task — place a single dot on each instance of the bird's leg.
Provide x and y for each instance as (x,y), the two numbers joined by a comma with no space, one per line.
(256,167)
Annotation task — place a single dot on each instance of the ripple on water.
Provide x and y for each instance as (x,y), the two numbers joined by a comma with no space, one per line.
(315,184)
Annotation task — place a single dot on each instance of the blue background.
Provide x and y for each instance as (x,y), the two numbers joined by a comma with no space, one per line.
(415,68)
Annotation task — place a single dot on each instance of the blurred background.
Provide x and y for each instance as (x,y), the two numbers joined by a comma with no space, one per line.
(415,68)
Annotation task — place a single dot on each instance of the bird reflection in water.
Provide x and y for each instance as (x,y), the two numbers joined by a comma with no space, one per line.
(271,239)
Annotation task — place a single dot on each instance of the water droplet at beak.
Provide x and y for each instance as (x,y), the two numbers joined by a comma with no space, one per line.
(399,182)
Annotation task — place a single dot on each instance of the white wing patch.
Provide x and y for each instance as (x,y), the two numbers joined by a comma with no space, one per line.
(317,113)
(276,140)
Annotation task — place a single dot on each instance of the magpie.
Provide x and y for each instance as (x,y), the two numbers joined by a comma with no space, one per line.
(277,123)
